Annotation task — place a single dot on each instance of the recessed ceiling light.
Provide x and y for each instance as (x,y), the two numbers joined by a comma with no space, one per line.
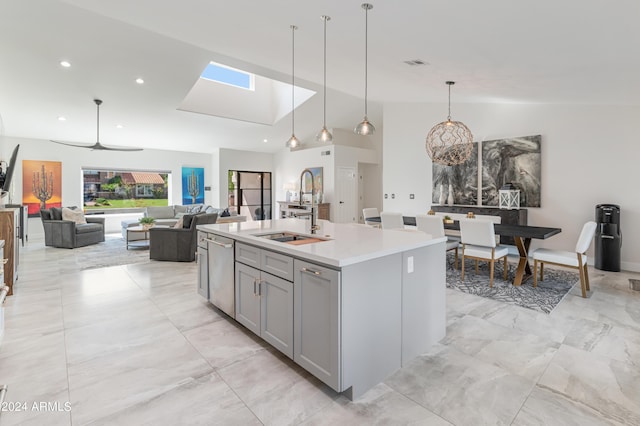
(265,140)
(119,126)
(65,64)
(139,81)
(61,118)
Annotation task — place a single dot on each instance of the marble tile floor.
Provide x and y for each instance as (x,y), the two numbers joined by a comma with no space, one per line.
(135,344)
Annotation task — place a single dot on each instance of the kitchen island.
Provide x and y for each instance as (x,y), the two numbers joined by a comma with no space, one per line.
(350,304)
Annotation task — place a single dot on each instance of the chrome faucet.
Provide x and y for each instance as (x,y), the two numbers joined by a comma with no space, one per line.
(314,227)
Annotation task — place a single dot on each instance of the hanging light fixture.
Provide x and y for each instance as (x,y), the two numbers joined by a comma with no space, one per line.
(450,142)
(293,142)
(325,135)
(365,127)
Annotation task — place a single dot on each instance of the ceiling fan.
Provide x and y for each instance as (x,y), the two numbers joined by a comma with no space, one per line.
(97,146)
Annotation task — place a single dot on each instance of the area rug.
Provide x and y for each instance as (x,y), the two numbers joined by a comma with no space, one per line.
(113,251)
(544,298)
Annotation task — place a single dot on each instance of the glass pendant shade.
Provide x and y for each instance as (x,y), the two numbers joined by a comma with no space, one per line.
(365,128)
(325,135)
(449,143)
(293,142)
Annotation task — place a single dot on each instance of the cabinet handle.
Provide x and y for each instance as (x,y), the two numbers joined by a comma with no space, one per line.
(257,288)
(311,271)
(609,237)
(218,243)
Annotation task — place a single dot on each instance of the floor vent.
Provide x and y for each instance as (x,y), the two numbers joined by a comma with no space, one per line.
(634,284)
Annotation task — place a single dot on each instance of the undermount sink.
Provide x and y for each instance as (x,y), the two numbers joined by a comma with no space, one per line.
(291,238)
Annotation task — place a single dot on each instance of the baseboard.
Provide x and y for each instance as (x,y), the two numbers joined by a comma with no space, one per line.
(630,266)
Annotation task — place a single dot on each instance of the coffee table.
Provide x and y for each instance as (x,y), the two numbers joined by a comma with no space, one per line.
(139,242)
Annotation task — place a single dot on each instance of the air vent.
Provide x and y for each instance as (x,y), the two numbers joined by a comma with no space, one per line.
(415,62)
(325,152)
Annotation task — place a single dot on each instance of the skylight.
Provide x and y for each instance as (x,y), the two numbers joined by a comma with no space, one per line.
(227,75)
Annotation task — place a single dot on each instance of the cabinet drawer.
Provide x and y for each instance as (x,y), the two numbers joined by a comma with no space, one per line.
(277,264)
(249,255)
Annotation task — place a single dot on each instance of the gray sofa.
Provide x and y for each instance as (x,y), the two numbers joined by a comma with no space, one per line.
(178,244)
(66,233)
(169,215)
(166,216)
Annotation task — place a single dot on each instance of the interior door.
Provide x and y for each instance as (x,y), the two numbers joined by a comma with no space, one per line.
(346,195)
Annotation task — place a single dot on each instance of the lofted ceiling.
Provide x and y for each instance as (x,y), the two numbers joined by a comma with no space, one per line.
(563,52)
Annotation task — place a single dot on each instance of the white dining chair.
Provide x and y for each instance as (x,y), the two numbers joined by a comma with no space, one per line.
(497,220)
(392,220)
(479,243)
(434,226)
(371,212)
(576,260)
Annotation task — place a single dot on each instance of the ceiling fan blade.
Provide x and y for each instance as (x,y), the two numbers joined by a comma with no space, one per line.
(99,146)
(78,145)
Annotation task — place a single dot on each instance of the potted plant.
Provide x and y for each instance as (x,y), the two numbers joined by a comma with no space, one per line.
(146,222)
(447,219)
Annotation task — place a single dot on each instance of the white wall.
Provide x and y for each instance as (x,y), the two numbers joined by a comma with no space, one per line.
(289,164)
(75,159)
(589,156)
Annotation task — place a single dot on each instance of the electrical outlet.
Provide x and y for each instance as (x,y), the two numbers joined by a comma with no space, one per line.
(410,264)
(393,196)
(386,196)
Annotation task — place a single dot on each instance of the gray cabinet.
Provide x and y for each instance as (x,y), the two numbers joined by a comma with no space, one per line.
(317,321)
(276,312)
(247,297)
(264,302)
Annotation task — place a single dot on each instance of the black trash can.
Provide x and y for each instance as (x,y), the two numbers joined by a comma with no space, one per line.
(608,240)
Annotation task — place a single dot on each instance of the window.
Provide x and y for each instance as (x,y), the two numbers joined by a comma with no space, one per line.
(227,75)
(123,189)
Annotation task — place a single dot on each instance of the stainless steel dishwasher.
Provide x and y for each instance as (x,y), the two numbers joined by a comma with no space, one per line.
(222,291)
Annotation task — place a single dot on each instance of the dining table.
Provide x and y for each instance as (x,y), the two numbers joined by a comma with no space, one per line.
(522,235)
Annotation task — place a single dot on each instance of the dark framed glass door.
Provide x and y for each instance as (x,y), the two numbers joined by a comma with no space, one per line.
(250,194)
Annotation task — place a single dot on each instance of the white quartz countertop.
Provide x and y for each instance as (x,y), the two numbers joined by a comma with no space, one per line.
(347,243)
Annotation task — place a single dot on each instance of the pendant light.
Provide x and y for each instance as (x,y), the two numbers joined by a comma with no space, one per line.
(325,135)
(293,142)
(449,143)
(365,127)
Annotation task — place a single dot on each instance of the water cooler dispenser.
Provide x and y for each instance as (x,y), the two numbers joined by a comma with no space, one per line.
(608,240)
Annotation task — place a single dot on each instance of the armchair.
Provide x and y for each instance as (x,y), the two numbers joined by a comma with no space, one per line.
(178,244)
(69,234)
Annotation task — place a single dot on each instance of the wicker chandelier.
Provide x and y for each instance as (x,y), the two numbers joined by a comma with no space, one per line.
(450,142)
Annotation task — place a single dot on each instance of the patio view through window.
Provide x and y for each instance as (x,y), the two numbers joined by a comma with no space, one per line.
(112,189)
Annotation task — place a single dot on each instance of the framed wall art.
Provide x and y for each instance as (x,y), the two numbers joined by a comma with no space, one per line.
(41,185)
(192,185)
(512,160)
(461,182)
